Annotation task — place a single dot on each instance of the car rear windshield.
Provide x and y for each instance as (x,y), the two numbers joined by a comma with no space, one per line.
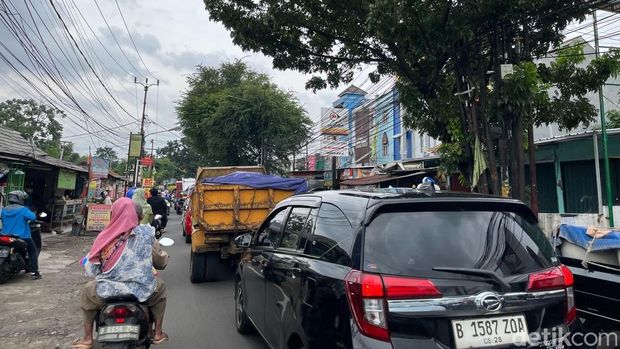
(413,243)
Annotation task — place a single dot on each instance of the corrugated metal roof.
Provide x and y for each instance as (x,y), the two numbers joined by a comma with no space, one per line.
(13,144)
(578,135)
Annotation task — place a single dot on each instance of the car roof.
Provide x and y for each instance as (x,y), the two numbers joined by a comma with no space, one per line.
(377,195)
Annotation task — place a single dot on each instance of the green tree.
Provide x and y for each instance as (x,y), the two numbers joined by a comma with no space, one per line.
(445,54)
(232,115)
(38,123)
(185,159)
(107,153)
(613,118)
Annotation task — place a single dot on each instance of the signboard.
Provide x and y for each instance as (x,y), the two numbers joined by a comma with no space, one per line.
(66,179)
(146,161)
(334,121)
(92,189)
(506,69)
(98,216)
(332,147)
(148,182)
(99,168)
(135,145)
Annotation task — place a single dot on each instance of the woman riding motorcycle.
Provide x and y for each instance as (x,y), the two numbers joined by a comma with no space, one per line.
(121,260)
(15,219)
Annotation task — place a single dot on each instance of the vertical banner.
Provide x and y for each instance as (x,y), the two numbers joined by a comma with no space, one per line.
(135,145)
(98,217)
(99,168)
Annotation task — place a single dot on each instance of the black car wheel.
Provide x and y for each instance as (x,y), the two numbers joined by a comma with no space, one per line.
(243,324)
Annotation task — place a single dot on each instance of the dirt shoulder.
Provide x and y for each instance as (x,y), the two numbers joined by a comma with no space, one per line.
(45,313)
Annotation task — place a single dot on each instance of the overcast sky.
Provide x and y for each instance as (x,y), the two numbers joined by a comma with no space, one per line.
(172,37)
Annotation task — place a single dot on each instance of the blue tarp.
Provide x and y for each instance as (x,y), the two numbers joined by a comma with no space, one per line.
(260,181)
(577,236)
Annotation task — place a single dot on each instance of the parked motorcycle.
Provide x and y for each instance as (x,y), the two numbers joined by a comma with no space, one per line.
(14,252)
(157,224)
(124,322)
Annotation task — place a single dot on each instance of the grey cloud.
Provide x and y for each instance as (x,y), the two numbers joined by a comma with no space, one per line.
(188,60)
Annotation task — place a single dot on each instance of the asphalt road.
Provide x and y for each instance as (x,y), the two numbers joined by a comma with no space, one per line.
(198,315)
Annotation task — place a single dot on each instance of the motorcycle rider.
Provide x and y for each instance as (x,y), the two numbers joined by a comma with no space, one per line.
(159,206)
(15,219)
(122,259)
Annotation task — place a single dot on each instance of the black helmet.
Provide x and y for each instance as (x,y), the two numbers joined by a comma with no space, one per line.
(17,197)
(154,191)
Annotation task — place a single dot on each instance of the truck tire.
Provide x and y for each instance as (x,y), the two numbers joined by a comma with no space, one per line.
(197,265)
(188,239)
(214,266)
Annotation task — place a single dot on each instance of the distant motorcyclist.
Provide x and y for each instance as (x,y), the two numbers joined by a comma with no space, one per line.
(159,206)
(15,219)
(105,198)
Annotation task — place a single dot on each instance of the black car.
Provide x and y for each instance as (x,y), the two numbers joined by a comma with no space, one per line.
(353,269)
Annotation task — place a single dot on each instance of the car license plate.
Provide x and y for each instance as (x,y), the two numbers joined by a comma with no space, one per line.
(4,252)
(116,333)
(490,332)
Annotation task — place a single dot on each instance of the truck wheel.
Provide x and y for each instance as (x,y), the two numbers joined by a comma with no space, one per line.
(197,265)
(214,266)
(188,239)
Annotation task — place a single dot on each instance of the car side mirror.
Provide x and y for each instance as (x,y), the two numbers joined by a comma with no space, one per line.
(243,241)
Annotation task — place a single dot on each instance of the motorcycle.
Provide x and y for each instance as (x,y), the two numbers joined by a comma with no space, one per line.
(124,322)
(157,224)
(14,252)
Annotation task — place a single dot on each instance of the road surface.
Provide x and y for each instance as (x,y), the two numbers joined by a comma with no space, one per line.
(198,315)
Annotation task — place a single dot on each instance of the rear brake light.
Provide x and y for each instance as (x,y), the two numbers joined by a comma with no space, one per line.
(407,288)
(553,279)
(368,295)
(120,313)
(6,240)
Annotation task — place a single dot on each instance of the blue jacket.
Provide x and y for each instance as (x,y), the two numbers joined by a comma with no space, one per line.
(15,221)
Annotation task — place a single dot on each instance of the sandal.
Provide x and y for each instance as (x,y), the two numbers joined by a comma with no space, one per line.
(161,340)
(77,345)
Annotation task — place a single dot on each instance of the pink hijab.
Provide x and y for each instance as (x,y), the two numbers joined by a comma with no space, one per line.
(123,219)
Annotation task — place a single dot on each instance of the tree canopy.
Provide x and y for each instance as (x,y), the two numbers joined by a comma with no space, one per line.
(447,57)
(180,160)
(109,154)
(38,123)
(232,115)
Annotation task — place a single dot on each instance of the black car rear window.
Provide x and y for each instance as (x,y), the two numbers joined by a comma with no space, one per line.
(412,243)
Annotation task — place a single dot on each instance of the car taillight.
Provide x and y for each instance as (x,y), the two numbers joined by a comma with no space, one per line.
(6,240)
(554,279)
(368,295)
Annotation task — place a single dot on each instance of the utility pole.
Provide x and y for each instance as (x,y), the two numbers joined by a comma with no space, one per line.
(152,164)
(62,148)
(610,203)
(146,86)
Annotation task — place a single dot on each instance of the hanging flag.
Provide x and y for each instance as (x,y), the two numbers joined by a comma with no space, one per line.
(480,164)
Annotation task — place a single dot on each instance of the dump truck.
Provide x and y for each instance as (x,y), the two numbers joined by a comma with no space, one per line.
(222,212)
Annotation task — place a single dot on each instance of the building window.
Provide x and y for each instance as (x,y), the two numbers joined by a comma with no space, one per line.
(385,144)
(385,118)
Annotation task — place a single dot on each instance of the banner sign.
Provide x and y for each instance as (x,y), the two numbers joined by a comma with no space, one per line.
(332,147)
(148,182)
(334,121)
(98,217)
(66,179)
(146,161)
(99,168)
(135,145)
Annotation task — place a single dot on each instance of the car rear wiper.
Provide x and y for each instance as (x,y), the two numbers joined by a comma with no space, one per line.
(479,272)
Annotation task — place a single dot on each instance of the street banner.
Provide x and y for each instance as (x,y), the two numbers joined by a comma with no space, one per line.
(98,217)
(66,179)
(334,121)
(99,168)
(148,183)
(146,161)
(135,145)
